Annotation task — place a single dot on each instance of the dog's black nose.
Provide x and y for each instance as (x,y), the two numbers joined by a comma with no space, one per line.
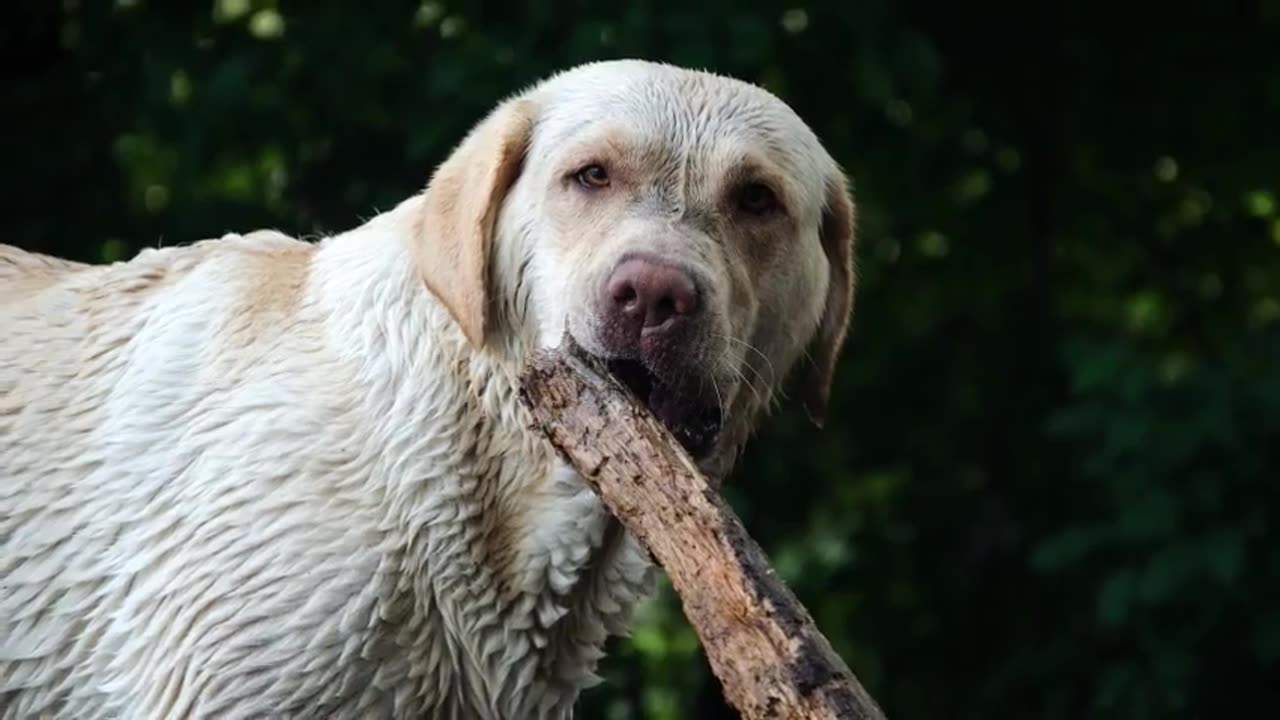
(645,297)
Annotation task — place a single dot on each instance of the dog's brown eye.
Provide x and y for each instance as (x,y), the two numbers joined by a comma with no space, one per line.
(757,199)
(593,176)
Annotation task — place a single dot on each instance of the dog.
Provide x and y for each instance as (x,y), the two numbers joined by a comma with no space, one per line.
(261,477)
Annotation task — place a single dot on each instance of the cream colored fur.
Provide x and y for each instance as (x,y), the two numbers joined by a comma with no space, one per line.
(255,477)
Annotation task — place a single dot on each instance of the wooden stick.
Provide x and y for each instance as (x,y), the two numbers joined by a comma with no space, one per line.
(761,642)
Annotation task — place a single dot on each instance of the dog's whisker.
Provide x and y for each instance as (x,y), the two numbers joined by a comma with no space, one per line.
(747,346)
(752,348)
(724,411)
(755,392)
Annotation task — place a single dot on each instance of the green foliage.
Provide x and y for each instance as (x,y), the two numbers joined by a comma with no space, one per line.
(1048,486)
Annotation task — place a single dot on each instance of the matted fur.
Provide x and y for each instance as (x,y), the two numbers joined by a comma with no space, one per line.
(256,477)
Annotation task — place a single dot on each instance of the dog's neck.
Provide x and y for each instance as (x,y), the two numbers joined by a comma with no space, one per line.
(512,552)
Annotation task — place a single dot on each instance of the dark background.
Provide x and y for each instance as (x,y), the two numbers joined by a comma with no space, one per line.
(1048,487)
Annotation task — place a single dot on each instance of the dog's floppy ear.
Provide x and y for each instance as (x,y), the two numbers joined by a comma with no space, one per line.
(460,209)
(837,233)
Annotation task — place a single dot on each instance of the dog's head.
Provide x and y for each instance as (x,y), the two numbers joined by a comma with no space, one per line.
(688,228)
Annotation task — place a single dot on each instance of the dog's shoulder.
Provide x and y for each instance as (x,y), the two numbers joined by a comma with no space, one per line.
(271,269)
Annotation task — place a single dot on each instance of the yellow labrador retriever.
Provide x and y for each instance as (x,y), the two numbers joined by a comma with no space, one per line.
(255,477)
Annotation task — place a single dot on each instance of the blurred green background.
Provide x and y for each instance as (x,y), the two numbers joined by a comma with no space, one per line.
(1048,488)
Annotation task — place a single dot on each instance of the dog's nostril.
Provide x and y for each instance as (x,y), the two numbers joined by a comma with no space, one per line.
(624,294)
(626,299)
(661,312)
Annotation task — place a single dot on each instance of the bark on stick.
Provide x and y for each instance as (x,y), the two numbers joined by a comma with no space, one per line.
(760,641)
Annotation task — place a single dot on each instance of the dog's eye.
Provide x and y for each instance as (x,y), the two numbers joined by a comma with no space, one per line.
(757,199)
(593,176)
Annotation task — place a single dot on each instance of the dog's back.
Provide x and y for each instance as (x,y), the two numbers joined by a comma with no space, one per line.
(24,274)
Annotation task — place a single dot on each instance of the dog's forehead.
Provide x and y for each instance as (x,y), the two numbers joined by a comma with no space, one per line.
(689,113)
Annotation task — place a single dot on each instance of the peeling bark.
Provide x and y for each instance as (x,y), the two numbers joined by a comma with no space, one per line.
(771,660)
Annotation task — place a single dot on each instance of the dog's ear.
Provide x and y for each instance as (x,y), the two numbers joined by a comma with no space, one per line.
(837,233)
(460,210)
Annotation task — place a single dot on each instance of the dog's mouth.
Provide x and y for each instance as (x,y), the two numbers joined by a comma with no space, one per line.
(693,420)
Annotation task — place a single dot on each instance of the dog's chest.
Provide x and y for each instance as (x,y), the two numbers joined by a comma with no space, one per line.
(485,588)
(454,622)
(520,578)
